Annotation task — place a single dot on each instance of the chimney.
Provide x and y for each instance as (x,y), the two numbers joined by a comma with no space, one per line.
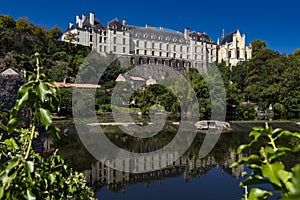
(83,17)
(223,33)
(80,23)
(147,26)
(77,19)
(124,22)
(92,18)
(161,28)
(70,25)
(186,33)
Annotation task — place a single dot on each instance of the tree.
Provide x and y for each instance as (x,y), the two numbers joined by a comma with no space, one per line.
(54,33)
(7,22)
(71,37)
(257,46)
(23,25)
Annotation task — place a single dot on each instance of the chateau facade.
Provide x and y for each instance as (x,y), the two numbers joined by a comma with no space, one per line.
(150,45)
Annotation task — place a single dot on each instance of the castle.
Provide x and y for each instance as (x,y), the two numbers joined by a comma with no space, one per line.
(157,45)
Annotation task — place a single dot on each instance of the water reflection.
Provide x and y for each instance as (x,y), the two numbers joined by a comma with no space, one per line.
(209,177)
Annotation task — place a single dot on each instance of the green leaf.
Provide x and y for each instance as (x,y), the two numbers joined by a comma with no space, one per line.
(284,176)
(241,148)
(11,144)
(288,133)
(12,124)
(29,167)
(22,99)
(254,180)
(249,159)
(52,177)
(1,192)
(30,195)
(257,193)
(255,134)
(258,128)
(276,131)
(44,116)
(42,91)
(270,171)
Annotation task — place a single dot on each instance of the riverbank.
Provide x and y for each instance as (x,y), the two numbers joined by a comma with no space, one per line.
(247,126)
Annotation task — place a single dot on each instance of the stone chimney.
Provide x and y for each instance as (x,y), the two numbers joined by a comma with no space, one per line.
(147,26)
(124,22)
(186,33)
(80,23)
(161,28)
(70,25)
(83,17)
(77,19)
(92,18)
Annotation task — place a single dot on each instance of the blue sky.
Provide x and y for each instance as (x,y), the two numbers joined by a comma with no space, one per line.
(276,22)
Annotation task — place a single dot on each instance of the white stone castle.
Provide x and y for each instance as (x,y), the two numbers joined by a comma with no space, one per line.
(157,45)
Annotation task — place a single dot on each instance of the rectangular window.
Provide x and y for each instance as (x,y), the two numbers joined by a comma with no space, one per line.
(100,39)
(115,40)
(137,43)
(145,53)
(152,53)
(180,48)
(137,51)
(160,54)
(124,50)
(100,48)
(104,48)
(160,46)
(153,45)
(105,40)
(187,49)
(115,49)
(124,41)
(91,38)
(174,55)
(145,45)
(174,48)
(167,55)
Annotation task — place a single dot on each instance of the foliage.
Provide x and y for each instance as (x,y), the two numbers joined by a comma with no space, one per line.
(267,165)
(25,174)
(246,112)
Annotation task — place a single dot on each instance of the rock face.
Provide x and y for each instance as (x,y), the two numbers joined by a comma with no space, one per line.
(10,81)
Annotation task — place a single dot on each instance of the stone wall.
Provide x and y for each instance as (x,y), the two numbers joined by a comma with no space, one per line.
(9,86)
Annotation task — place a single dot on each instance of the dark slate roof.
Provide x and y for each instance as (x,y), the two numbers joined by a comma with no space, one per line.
(86,24)
(228,38)
(197,36)
(116,25)
(156,34)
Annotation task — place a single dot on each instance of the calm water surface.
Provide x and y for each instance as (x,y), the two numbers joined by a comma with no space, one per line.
(190,177)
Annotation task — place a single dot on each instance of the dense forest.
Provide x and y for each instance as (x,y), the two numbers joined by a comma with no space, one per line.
(268,80)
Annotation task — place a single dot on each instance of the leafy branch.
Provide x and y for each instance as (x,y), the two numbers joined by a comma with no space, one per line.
(24,173)
(266,164)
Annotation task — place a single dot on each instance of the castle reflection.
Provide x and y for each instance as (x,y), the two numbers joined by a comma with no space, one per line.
(191,167)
